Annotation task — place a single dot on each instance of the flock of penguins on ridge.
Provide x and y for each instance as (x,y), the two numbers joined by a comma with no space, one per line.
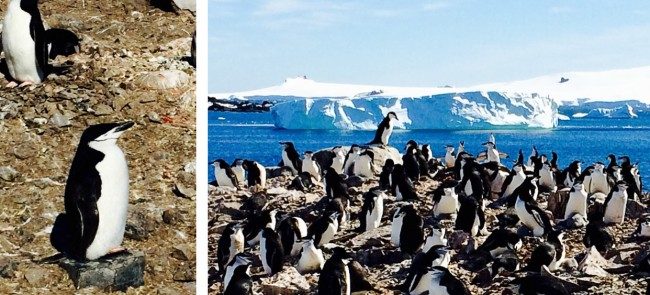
(598,196)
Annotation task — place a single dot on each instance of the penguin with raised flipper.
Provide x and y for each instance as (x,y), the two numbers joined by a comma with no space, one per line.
(96,196)
(385,129)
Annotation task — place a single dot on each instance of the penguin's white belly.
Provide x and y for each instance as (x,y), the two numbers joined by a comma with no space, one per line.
(598,184)
(476,225)
(577,204)
(386,134)
(337,164)
(239,174)
(395,230)
(265,263)
(615,210)
(287,162)
(468,188)
(329,233)
(226,279)
(422,285)
(222,178)
(517,180)
(528,219)
(18,46)
(362,167)
(311,260)
(442,261)
(310,167)
(433,241)
(447,205)
(373,219)
(449,160)
(493,156)
(347,288)
(398,194)
(435,288)
(546,179)
(112,205)
(236,245)
(645,230)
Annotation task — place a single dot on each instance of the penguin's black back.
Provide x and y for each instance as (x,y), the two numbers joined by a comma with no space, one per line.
(286,231)
(332,277)
(37,32)
(318,227)
(466,214)
(254,173)
(383,125)
(535,284)
(240,283)
(412,235)
(453,284)
(223,246)
(542,255)
(384,176)
(411,166)
(274,250)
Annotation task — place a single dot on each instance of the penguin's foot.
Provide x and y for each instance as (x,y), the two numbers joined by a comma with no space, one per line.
(116,250)
(26,83)
(11,84)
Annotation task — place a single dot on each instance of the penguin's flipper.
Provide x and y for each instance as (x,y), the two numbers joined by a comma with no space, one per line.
(37,32)
(62,234)
(540,216)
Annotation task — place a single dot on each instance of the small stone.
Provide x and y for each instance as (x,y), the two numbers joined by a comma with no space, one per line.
(276,191)
(184,252)
(36,276)
(9,174)
(102,110)
(7,267)
(139,225)
(183,191)
(25,151)
(287,282)
(154,117)
(58,120)
(184,273)
(172,216)
(161,80)
(592,264)
(115,272)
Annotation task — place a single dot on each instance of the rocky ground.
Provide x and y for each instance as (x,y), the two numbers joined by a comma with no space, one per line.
(132,66)
(387,267)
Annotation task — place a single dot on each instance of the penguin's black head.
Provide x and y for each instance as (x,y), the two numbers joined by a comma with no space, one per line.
(622,185)
(411,143)
(611,157)
(308,154)
(106,132)
(247,164)
(63,42)
(389,163)
(340,253)
(392,115)
(624,159)
(370,154)
(221,163)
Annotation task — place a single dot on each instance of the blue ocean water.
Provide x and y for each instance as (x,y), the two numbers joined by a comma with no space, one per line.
(253,136)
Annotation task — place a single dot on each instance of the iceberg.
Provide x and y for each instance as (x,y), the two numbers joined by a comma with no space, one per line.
(620,112)
(464,110)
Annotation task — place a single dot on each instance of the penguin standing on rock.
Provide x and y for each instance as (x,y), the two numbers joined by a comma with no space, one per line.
(224,175)
(311,166)
(271,251)
(290,157)
(350,158)
(577,201)
(384,130)
(406,229)
(363,165)
(334,279)
(292,230)
(372,210)
(616,204)
(238,169)
(256,173)
(96,196)
(230,244)
(311,258)
(529,213)
(24,43)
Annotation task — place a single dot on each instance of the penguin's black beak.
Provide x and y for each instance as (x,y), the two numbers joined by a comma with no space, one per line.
(125,126)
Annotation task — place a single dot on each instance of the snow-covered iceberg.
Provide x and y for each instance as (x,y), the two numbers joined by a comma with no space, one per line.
(465,110)
(619,112)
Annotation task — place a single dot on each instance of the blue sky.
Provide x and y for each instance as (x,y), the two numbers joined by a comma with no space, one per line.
(256,44)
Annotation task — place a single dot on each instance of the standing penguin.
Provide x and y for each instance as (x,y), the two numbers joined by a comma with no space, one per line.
(492,152)
(271,251)
(577,203)
(401,185)
(290,157)
(311,166)
(350,158)
(434,236)
(256,173)
(419,274)
(595,180)
(630,174)
(445,283)
(24,42)
(324,228)
(530,215)
(230,244)
(547,178)
(292,230)
(406,229)
(363,165)
(471,218)
(513,181)
(224,175)
(334,279)
(410,163)
(384,176)
(445,201)
(311,258)
(372,210)
(616,203)
(238,168)
(384,130)
(96,196)
(450,156)
(237,280)
(571,174)
(256,225)
(339,159)
(335,186)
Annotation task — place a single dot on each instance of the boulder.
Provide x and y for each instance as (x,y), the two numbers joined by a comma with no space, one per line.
(111,273)
(287,282)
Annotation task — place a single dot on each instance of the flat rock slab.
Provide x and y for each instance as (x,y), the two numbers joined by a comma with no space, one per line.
(116,272)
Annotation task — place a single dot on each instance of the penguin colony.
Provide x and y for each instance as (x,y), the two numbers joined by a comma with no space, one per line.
(434,210)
